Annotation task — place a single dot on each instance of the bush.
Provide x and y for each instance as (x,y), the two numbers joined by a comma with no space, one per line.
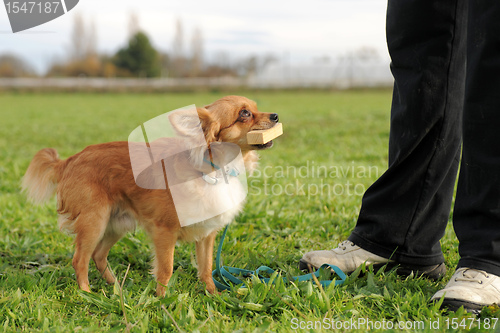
(139,57)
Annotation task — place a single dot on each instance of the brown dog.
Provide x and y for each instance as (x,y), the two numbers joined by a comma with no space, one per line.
(99,201)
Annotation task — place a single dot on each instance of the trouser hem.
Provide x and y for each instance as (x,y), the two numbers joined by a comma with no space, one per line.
(394,254)
(483,265)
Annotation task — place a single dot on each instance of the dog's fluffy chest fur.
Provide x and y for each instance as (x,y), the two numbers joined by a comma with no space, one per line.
(222,201)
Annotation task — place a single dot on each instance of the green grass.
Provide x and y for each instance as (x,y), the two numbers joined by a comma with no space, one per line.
(306,197)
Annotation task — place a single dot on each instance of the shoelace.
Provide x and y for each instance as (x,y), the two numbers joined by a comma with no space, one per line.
(345,244)
(471,275)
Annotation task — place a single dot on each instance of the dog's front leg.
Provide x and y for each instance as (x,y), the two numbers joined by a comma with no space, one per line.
(204,259)
(164,241)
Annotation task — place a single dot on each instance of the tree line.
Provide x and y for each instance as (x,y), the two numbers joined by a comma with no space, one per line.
(136,58)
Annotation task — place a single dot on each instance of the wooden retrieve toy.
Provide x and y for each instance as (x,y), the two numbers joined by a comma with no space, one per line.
(260,137)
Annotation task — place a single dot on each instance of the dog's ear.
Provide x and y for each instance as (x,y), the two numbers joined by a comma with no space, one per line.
(210,126)
(185,122)
(198,129)
(188,123)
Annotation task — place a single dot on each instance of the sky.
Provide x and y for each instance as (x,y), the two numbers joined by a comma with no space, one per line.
(299,31)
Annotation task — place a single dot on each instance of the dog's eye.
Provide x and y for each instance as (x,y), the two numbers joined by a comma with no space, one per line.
(245,113)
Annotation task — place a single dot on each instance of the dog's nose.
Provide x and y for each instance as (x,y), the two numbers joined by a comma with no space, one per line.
(274,117)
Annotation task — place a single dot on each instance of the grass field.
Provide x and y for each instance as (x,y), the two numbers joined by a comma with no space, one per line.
(306,197)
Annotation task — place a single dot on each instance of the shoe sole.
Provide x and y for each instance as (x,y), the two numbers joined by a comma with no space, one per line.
(452,304)
(432,272)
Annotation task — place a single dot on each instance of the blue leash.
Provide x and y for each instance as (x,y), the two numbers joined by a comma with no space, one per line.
(225,273)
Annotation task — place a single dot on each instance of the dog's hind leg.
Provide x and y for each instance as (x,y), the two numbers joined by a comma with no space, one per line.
(118,226)
(100,255)
(90,227)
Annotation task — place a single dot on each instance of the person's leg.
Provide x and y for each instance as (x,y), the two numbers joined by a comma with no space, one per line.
(405,212)
(477,208)
(476,219)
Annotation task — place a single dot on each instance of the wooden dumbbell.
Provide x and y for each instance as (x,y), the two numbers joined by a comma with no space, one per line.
(260,137)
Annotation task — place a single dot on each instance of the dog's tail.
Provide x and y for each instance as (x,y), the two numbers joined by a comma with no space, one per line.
(40,181)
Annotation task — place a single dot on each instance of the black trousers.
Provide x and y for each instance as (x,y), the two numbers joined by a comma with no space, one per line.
(446,105)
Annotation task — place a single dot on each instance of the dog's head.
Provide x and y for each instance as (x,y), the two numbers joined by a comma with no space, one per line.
(228,119)
(232,117)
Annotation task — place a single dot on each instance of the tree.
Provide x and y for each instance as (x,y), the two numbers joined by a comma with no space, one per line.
(221,66)
(91,47)
(83,58)
(178,59)
(197,53)
(83,39)
(14,66)
(139,57)
(78,39)
(133,24)
(255,64)
(91,66)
